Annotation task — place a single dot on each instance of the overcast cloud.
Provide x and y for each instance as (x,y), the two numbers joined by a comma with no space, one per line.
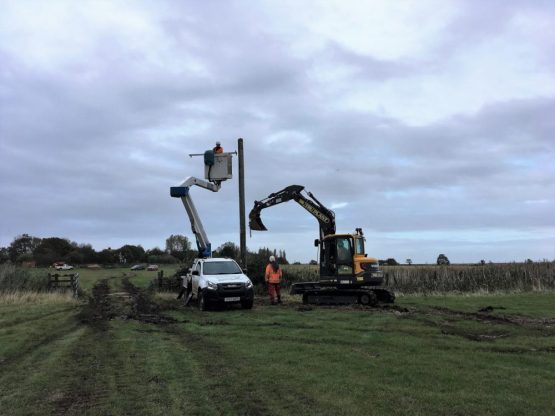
(429,124)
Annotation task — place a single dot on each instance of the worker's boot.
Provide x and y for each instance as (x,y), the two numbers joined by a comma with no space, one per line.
(279,299)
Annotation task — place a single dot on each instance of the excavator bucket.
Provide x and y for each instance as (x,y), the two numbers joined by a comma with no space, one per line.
(255,223)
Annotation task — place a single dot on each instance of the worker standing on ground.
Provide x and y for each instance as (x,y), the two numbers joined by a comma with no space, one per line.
(273,278)
(218,148)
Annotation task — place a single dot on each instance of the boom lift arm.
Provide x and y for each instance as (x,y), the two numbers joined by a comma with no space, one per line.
(183,191)
(325,216)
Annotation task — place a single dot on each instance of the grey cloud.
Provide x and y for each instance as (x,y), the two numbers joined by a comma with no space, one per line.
(89,152)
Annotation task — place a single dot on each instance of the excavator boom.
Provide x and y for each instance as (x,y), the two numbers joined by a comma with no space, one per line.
(325,217)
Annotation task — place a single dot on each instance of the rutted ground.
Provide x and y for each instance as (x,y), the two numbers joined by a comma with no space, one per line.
(126,351)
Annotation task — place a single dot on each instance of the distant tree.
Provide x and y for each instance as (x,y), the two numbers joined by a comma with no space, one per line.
(529,261)
(313,262)
(156,251)
(408,261)
(52,249)
(228,249)
(482,262)
(4,255)
(132,254)
(74,257)
(22,244)
(442,260)
(109,256)
(163,258)
(178,246)
(297,263)
(88,254)
(282,257)
(388,262)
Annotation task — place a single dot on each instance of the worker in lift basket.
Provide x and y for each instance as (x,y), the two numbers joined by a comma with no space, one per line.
(273,277)
(218,148)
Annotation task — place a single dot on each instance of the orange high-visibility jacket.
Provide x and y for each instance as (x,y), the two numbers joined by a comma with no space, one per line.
(271,276)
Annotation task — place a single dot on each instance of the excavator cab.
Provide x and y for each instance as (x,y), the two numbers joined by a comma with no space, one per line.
(336,259)
(343,260)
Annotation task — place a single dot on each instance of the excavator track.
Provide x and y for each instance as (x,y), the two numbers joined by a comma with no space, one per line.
(314,294)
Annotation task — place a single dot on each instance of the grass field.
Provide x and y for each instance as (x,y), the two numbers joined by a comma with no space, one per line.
(130,352)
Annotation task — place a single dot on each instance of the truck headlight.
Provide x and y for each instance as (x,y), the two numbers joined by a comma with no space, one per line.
(248,285)
(211,285)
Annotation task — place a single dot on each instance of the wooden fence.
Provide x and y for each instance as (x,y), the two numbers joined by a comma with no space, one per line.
(64,282)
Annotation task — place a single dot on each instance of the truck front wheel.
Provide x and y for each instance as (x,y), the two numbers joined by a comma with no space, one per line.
(247,304)
(202,306)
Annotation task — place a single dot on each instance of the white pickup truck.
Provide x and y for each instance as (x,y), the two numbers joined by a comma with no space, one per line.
(218,281)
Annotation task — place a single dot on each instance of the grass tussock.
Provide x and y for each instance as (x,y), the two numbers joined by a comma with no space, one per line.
(29,297)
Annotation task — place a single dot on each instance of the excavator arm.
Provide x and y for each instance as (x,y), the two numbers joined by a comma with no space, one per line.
(325,216)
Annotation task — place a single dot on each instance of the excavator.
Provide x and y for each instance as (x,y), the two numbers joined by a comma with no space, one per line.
(346,273)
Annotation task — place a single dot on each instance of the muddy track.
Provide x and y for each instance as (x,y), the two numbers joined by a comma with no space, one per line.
(134,303)
(484,316)
(143,308)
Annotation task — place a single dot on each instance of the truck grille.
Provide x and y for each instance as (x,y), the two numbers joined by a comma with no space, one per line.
(231,289)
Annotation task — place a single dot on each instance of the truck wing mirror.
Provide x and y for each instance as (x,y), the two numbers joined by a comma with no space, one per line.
(316,243)
(195,273)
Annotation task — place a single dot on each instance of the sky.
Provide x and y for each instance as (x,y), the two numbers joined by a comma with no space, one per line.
(429,124)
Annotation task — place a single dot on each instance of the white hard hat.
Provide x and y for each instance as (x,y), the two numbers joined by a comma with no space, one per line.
(272,258)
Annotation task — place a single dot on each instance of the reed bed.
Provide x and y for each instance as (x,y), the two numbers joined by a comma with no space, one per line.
(14,278)
(23,297)
(466,278)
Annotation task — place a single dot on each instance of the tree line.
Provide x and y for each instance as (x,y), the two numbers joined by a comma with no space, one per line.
(46,251)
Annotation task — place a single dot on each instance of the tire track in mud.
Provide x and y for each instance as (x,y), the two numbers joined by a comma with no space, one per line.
(97,349)
(16,322)
(33,348)
(449,318)
(484,316)
(134,303)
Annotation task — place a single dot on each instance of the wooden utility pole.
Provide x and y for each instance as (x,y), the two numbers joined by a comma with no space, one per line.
(243,231)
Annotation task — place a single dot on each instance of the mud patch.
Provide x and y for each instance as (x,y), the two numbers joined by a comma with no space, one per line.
(99,310)
(532,323)
(133,303)
(517,350)
(143,308)
(472,336)
(489,309)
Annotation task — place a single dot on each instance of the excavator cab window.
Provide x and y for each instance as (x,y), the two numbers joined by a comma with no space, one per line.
(344,247)
(359,246)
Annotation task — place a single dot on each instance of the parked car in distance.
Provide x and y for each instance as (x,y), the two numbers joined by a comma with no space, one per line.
(138,267)
(62,266)
(152,267)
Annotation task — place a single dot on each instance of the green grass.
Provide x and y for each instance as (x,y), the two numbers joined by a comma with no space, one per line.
(429,355)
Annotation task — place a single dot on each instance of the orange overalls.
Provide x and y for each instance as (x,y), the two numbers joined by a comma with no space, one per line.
(273,277)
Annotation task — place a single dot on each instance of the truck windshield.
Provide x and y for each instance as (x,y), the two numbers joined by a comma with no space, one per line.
(221,267)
